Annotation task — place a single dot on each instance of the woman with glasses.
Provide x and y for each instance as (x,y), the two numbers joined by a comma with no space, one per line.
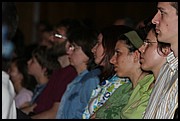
(153,58)
(77,94)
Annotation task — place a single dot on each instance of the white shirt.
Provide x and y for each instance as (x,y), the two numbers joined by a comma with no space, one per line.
(8,94)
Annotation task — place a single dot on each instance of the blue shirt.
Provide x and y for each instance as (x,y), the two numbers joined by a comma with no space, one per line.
(77,95)
(37,91)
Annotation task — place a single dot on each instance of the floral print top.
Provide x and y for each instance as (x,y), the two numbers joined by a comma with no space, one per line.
(101,94)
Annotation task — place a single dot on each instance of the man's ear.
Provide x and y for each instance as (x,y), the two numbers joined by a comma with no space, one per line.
(165,51)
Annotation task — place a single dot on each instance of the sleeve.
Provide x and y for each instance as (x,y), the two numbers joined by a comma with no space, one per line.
(85,94)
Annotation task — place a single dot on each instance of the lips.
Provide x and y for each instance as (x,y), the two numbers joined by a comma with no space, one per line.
(157,31)
(141,59)
(115,68)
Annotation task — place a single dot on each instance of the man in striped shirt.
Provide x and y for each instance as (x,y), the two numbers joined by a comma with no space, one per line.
(164,98)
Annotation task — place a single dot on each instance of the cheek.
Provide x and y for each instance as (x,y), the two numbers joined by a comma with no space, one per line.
(13,74)
(150,59)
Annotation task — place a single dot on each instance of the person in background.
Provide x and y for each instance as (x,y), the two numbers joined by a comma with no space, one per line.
(77,94)
(41,66)
(9,27)
(22,81)
(47,103)
(49,99)
(127,21)
(109,81)
(164,98)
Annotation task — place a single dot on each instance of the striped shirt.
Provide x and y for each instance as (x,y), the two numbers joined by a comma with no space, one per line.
(164,97)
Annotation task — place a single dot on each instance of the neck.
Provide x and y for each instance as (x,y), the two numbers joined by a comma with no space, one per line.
(80,68)
(64,61)
(175,49)
(137,76)
(17,87)
(42,80)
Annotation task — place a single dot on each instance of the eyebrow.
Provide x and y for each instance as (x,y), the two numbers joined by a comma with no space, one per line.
(161,9)
(151,41)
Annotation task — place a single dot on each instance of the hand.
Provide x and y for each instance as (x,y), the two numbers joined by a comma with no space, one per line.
(29,109)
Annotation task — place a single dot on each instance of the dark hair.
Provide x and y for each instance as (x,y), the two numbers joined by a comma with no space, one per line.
(45,59)
(110,37)
(10,17)
(58,50)
(86,39)
(144,32)
(175,5)
(69,24)
(28,81)
(127,21)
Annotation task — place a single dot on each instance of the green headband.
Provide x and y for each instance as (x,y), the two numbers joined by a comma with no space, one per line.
(134,38)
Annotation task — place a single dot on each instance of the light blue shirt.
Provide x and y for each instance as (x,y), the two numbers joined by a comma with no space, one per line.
(77,95)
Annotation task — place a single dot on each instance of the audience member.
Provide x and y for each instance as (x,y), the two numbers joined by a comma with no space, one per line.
(47,106)
(41,66)
(78,92)
(164,98)
(49,99)
(109,81)
(22,81)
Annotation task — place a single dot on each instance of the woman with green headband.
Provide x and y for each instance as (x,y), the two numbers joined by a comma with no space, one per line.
(130,100)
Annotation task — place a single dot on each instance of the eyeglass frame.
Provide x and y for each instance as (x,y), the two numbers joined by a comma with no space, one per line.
(146,42)
(60,36)
(73,47)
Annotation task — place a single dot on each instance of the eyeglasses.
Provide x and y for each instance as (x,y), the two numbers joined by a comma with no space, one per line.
(60,36)
(73,47)
(147,43)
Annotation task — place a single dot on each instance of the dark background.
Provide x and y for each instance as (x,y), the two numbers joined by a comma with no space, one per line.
(102,13)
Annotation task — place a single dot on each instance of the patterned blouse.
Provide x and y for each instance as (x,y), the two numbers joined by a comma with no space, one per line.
(101,94)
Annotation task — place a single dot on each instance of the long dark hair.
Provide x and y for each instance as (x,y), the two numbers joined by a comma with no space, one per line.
(110,37)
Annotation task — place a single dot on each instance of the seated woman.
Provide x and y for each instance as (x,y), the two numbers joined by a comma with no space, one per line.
(78,92)
(109,81)
(130,100)
(153,58)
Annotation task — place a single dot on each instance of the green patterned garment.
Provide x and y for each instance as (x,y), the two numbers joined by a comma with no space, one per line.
(127,103)
(111,109)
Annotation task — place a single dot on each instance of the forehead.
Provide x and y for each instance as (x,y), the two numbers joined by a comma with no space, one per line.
(61,30)
(121,44)
(166,6)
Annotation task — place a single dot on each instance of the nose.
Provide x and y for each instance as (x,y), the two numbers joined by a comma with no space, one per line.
(142,49)
(113,60)
(94,49)
(156,18)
